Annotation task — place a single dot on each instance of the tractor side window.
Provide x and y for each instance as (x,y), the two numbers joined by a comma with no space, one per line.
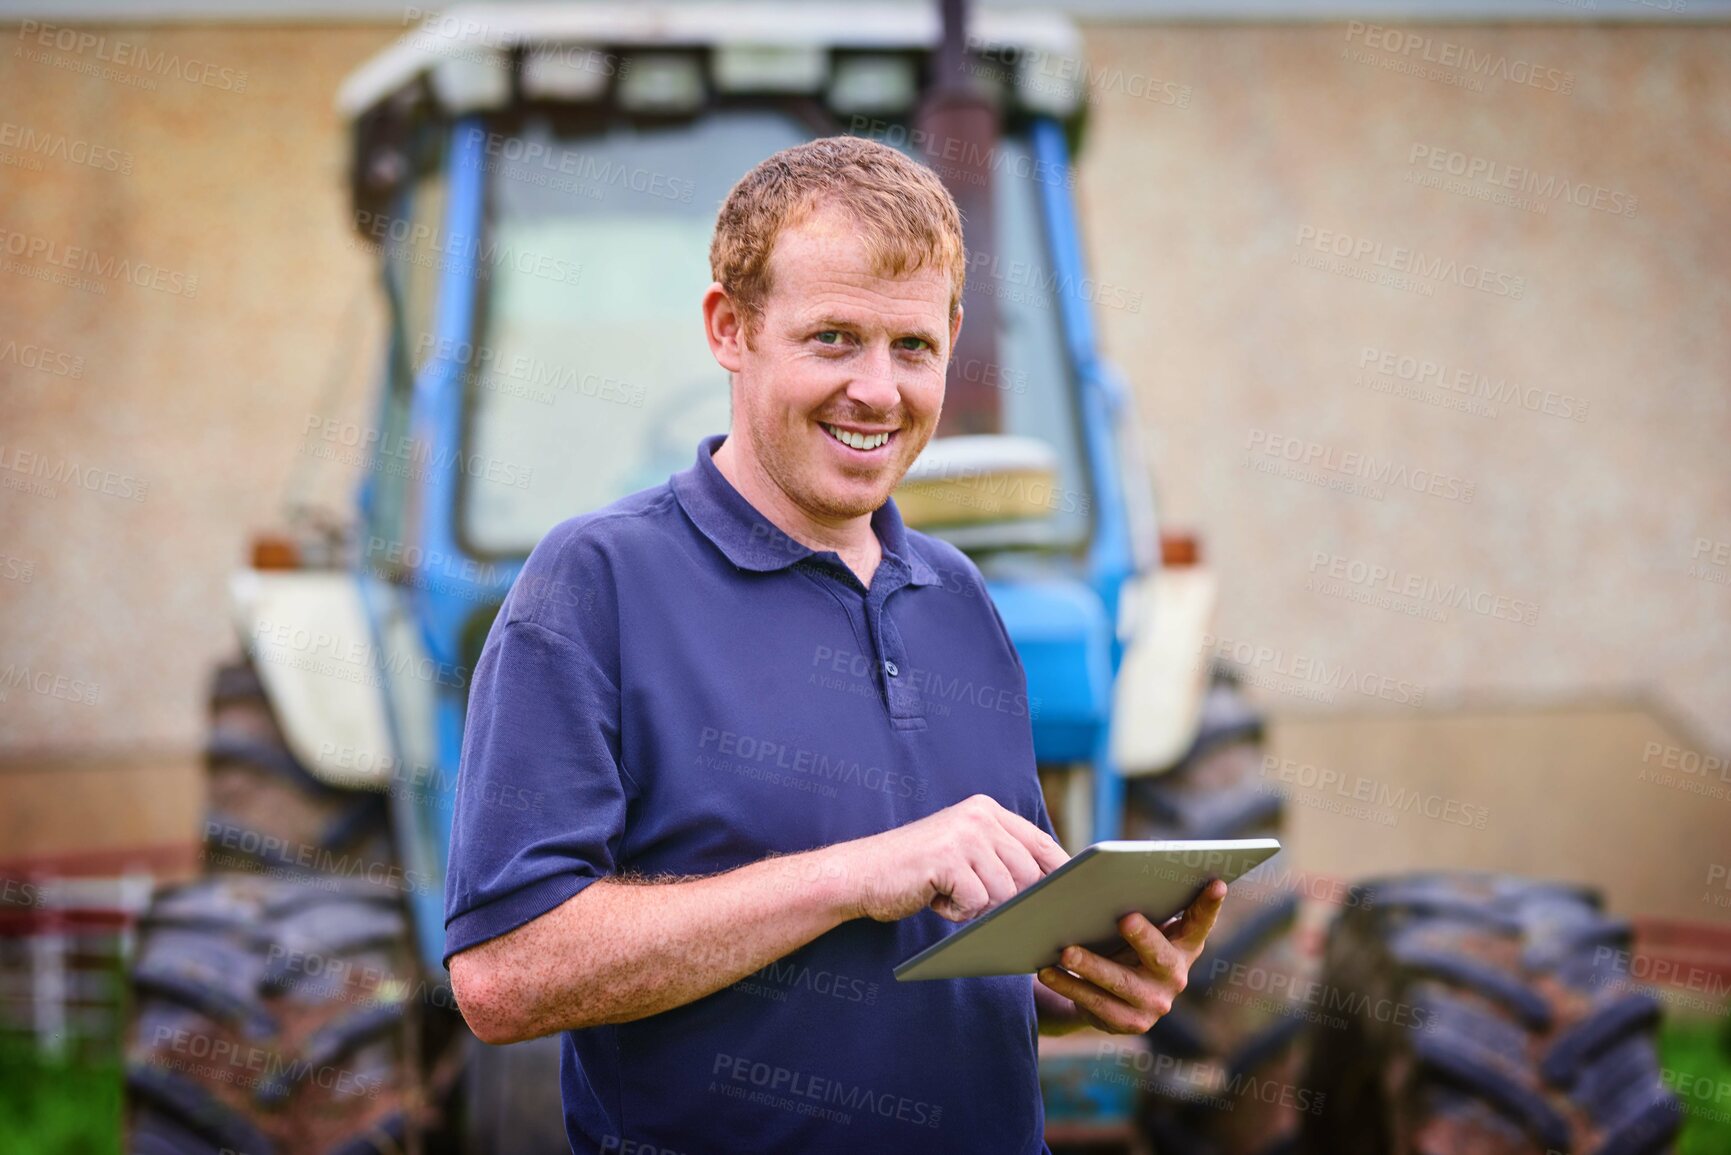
(417,270)
(411,275)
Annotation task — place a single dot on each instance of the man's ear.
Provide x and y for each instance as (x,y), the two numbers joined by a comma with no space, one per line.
(956,330)
(724,325)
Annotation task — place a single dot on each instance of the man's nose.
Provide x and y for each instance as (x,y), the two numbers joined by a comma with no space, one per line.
(875,383)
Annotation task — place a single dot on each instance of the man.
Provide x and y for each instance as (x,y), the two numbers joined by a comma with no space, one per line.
(748,802)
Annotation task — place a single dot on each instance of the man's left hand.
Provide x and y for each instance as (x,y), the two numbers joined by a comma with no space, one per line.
(1130,991)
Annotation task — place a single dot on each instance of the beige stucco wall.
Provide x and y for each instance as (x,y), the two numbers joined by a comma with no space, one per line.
(203,397)
(1193,208)
(1594,522)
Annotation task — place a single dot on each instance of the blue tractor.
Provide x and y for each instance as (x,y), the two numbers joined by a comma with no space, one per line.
(538,185)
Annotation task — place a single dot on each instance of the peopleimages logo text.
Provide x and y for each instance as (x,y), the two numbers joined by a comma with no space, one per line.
(1362,466)
(129,54)
(1449,54)
(1519,178)
(1400,259)
(79,259)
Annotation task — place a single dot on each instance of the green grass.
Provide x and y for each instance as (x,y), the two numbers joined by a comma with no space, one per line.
(1696,1055)
(57,1108)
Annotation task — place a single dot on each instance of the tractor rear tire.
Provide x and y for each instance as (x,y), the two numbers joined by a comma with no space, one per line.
(272,1017)
(1488,1015)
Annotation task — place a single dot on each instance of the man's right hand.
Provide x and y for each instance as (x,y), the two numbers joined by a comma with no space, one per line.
(962,861)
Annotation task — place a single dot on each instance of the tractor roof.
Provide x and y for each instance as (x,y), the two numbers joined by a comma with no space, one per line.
(1042,51)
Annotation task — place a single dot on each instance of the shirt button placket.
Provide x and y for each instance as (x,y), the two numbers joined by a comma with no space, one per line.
(900,696)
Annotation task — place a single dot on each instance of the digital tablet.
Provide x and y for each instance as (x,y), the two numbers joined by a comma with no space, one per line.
(1081,902)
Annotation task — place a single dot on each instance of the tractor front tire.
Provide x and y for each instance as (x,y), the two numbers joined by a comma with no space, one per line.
(277,1005)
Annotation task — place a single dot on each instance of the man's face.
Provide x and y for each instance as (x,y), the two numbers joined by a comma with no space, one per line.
(841,354)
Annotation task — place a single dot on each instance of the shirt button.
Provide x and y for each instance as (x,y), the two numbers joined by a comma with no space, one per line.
(890,669)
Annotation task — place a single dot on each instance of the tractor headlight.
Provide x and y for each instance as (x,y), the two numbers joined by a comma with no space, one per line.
(571,72)
(873,85)
(769,67)
(661,82)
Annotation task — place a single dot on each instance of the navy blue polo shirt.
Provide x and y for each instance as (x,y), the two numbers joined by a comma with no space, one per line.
(676,687)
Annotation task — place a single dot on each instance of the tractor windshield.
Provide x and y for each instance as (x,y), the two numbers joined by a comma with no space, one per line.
(591,377)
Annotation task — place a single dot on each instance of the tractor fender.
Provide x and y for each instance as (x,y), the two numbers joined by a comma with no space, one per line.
(1167,616)
(310,640)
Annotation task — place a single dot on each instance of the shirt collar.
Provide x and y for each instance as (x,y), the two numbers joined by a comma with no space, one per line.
(751,541)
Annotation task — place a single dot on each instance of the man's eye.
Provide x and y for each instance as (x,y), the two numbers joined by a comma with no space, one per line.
(917,344)
(830,337)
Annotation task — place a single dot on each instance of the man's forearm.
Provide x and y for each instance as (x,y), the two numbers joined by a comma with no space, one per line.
(623,950)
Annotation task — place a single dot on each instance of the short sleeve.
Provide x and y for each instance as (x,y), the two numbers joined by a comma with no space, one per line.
(541,794)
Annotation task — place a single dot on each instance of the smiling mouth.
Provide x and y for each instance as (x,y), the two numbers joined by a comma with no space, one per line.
(864,442)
